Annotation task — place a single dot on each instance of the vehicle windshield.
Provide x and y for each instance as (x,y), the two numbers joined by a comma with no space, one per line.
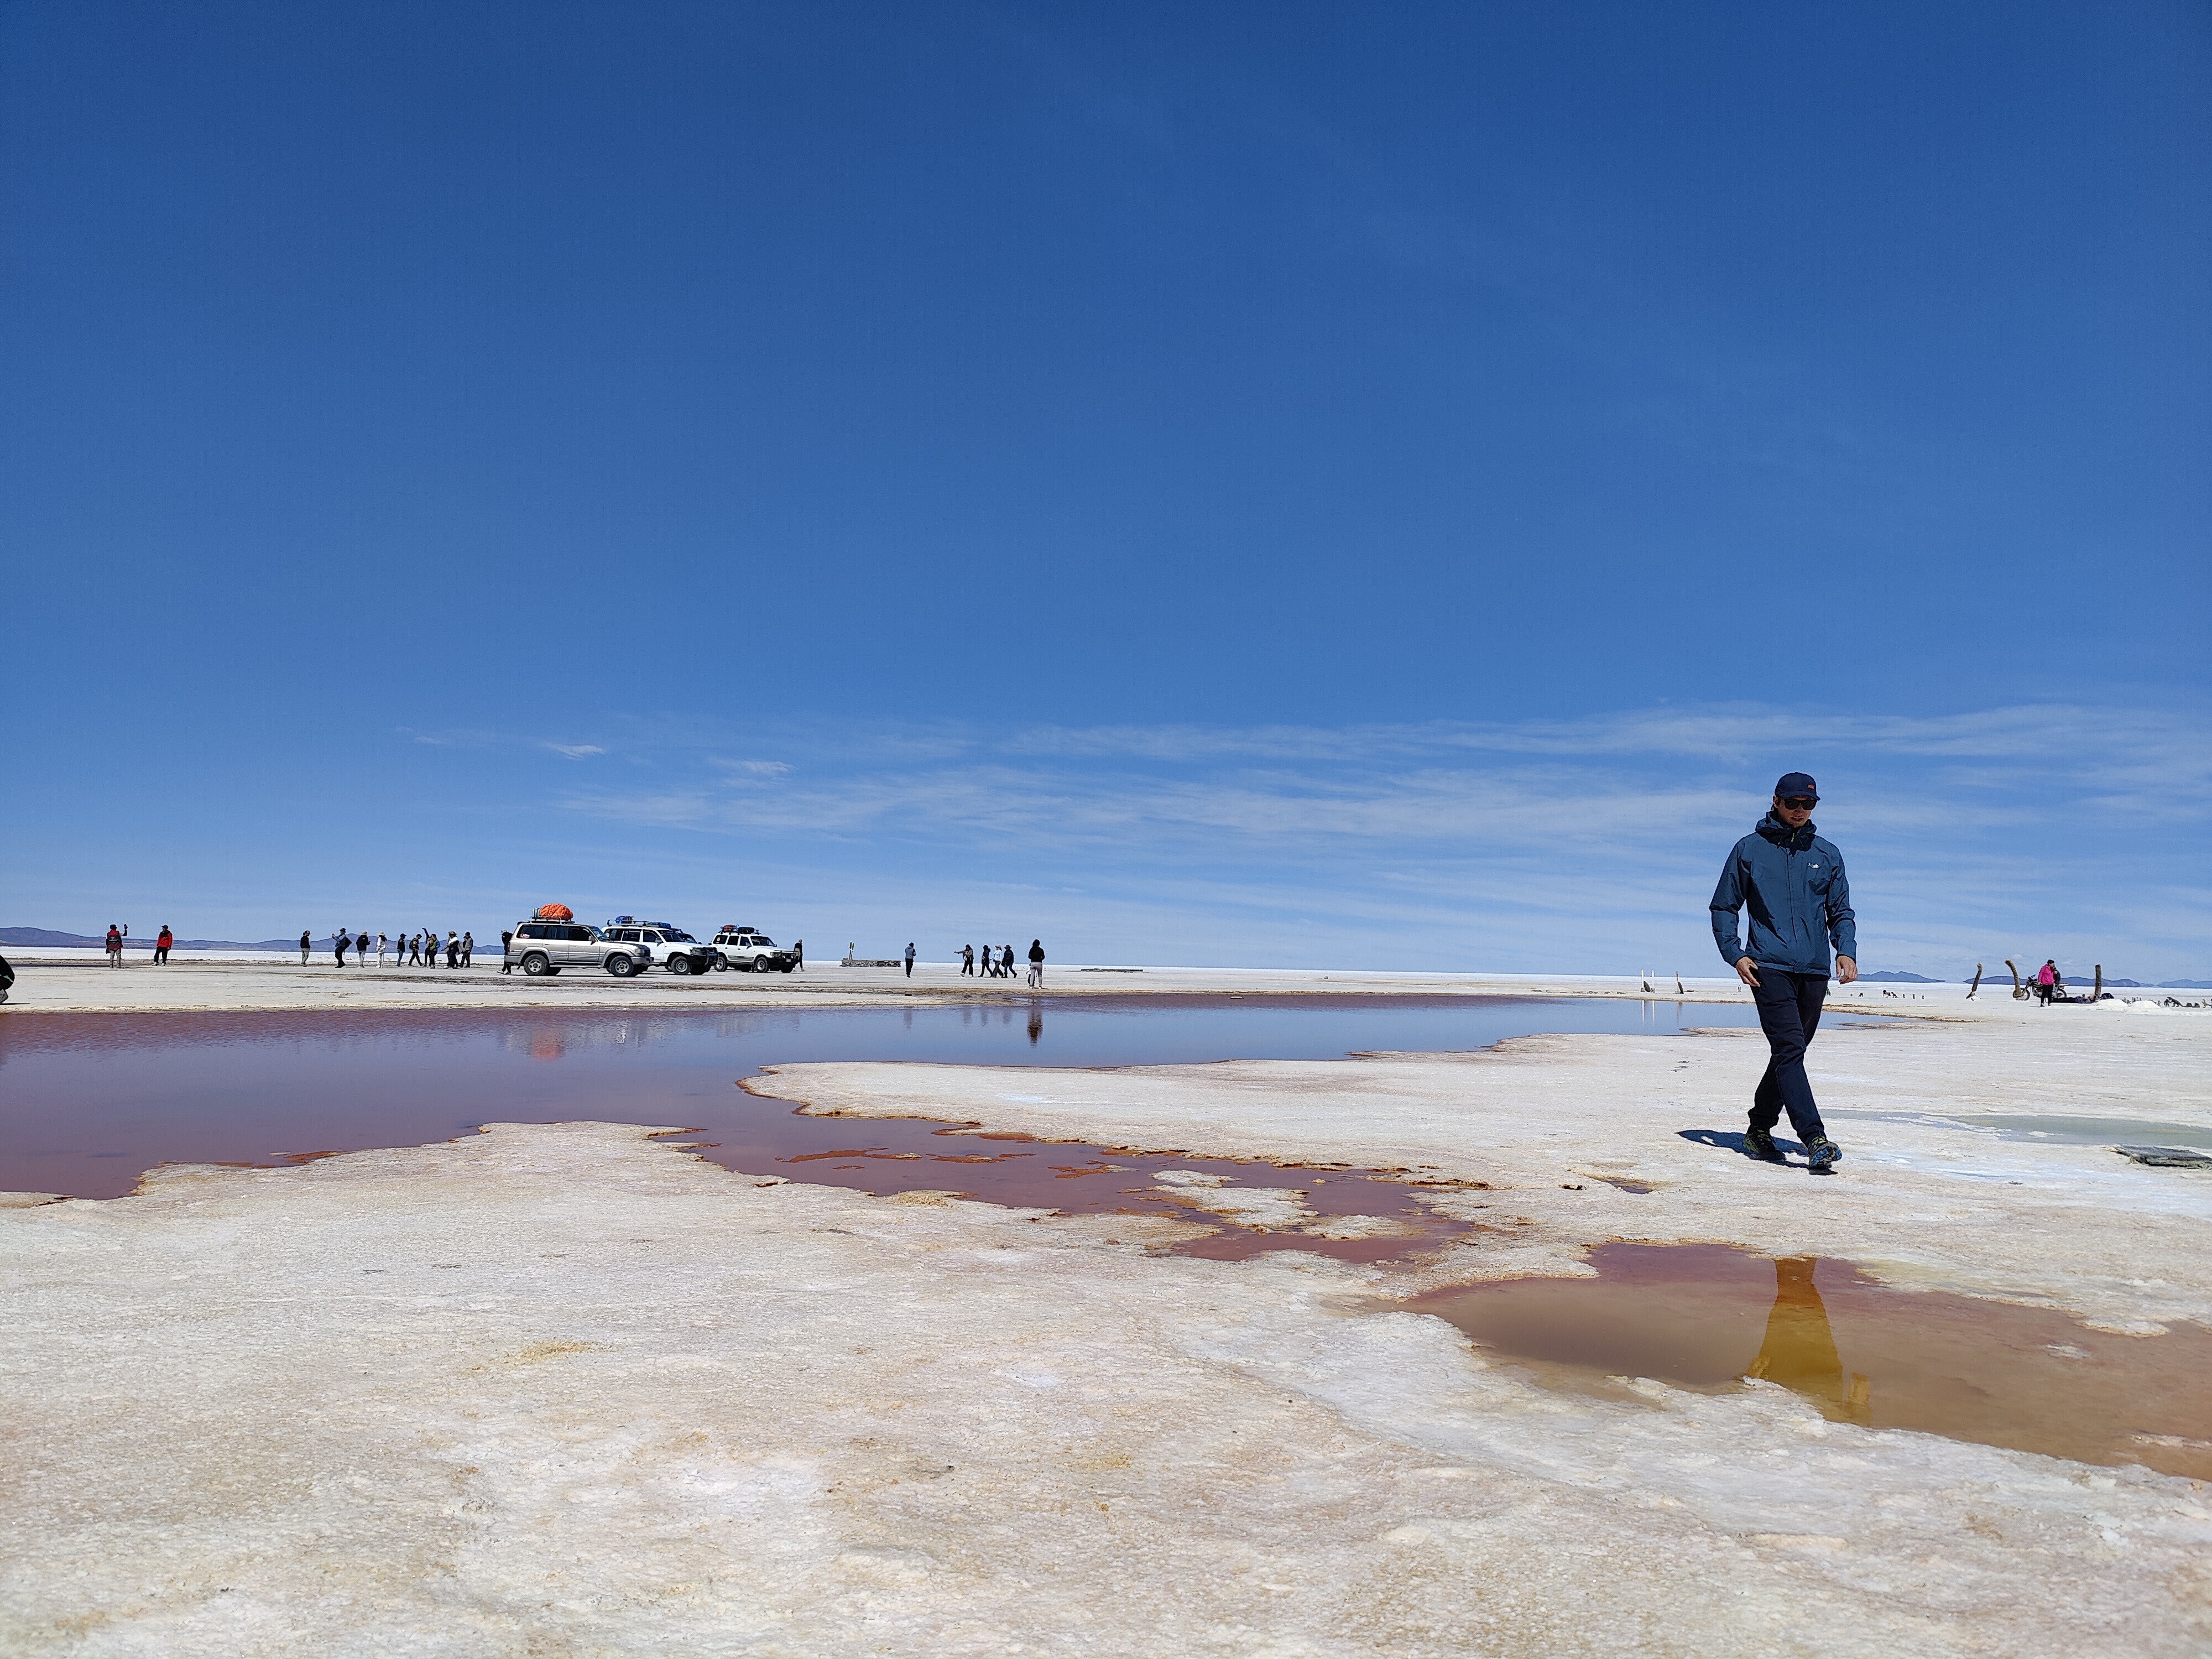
(675,936)
(762,938)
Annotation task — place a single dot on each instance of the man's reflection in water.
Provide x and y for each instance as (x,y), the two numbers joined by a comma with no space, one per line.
(1036,1024)
(1799,1350)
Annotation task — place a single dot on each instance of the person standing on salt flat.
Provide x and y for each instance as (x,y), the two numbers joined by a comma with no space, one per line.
(306,945)
(1793,880)
(468,949)
(909,958)
(380,947)
(114,945)
(1037,963)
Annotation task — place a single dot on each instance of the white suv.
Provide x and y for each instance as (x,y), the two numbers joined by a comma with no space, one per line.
(665,943)
(546,947)
(750,951)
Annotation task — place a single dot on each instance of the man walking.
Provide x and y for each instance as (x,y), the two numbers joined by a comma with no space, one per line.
(304,943)
(909,958)
(1793,880)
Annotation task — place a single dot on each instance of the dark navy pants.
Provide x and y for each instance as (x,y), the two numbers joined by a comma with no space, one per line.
(1788,1012)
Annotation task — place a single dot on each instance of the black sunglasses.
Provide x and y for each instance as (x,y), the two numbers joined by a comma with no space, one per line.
(1801,803)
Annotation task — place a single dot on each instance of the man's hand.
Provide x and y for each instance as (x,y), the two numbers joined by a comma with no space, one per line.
(1847,969)
(1747,971)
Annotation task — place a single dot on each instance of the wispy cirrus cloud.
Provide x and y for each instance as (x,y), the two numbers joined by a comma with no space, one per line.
(1969,835)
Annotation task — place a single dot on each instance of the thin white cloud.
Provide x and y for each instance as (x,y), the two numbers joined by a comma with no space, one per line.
(1541,836)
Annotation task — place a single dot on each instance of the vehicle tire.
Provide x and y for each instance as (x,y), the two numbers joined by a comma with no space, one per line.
(620,966)
(680,965)
(721,965)
(788,966)
(536,965)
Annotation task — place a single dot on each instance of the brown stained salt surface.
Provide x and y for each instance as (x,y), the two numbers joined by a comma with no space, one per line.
(560,1389)
(1563,1129)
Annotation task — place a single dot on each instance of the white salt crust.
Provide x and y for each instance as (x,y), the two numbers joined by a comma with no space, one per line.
(1551,1122)
(564,1390)
(80,981)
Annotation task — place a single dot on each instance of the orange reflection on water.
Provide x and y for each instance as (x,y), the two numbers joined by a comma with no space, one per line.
(1706,1317)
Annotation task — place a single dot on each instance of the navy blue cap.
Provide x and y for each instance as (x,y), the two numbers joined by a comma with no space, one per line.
(1794,784)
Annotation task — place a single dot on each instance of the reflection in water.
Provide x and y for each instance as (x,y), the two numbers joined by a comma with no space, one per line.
(1036,1024)
(1800,1349)
(1705,1317)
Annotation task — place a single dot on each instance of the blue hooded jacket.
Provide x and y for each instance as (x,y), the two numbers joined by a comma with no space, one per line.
(1793,882)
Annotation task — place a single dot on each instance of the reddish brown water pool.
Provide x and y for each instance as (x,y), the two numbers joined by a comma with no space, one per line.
(1705,1317)
(88,1102)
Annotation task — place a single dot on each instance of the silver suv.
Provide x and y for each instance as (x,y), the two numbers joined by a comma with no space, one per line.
(665,943)
(546,947)
(750,951)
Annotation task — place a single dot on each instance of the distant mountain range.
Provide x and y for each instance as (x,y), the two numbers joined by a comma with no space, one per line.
(1890,976)
(51,940)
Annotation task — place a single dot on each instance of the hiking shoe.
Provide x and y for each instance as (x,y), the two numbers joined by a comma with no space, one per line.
(1760,1143)
(1820,1153)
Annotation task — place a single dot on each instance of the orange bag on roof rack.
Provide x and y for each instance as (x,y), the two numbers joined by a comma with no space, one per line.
(555,912)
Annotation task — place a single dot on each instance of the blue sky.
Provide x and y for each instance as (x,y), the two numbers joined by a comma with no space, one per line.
(1230,485)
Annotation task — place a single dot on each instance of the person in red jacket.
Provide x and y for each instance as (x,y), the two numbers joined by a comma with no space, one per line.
(114,945)
(162,942)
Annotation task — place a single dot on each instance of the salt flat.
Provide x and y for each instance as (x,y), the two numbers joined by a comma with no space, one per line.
(564,1390)
(80,981)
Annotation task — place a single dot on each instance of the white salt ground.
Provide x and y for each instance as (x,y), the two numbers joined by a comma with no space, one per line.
(80,981)
(561,1390)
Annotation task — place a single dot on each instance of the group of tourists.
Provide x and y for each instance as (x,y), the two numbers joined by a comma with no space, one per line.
(116,935)
(420,950)
(997,961)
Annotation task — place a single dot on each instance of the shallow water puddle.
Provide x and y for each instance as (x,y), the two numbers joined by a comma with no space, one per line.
(1352,1215)
(88,1101)
(2056,1131)
(1705,1317)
